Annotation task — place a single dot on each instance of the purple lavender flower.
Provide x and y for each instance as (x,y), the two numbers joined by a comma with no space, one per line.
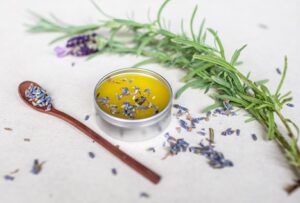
(182,108)
(81,45)
(183,124)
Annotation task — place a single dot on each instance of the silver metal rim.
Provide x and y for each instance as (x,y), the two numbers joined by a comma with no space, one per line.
(138,122)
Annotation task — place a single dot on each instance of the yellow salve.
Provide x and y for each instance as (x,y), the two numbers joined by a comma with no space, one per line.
(132,95)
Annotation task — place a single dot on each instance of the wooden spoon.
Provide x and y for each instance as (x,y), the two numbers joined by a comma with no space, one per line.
(137,166)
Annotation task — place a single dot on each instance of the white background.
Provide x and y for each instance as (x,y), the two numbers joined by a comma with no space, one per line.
(69,175)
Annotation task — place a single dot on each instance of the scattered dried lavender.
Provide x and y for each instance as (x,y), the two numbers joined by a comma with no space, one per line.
(238,132)
(37,167)
(278,71)
(181,108)
(15,171)
(254,137)
(175,145)
(201,133)
(216,159)
(228,131)
(290,105)
(87,117)
(8,129)
(26,139)
(183,124)
(9,177)
(151,149)
(114,171)
(144,195)
(262,26)
(91,155)
(38,97)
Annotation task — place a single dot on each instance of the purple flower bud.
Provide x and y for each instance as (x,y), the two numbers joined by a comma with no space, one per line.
(61,51)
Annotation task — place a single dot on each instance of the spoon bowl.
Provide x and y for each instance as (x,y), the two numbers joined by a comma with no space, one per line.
(22,89)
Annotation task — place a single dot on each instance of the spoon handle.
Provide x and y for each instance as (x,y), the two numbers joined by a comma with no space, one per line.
(137,166)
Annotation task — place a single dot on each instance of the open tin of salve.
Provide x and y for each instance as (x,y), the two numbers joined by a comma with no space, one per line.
(133,104)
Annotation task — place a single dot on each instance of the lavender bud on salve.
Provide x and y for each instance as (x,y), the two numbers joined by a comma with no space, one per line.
(132,96)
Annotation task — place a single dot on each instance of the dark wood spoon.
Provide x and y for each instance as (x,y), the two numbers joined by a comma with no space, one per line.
(137,166)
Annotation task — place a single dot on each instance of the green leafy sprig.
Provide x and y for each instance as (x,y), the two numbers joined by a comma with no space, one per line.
(206,66)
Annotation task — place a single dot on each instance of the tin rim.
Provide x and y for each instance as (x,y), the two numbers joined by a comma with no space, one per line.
(155,117)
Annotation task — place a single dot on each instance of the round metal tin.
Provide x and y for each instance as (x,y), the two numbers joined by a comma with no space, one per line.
(134,129)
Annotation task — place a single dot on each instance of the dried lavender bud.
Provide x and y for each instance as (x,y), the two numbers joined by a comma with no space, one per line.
(254,137)
(144,195)
(91,155)
(201,133)
(278,71)
(8,129)
(183,124)
(114,171)
(87,117)
(38,97)
(290,105)
(152,149)
(9,177)
(37,167)
(177,106)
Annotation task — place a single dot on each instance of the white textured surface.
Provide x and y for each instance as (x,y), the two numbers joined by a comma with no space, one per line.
(69,175)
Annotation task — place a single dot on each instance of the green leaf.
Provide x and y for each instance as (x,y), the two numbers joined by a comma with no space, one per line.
(221,82)
(236,55)
(215,60)
(261,82)
(283,76)
(220,45)
(188,43)
(192,23)
(200,33)
(250,120)
(271,125)
(191,74)
(158,19)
